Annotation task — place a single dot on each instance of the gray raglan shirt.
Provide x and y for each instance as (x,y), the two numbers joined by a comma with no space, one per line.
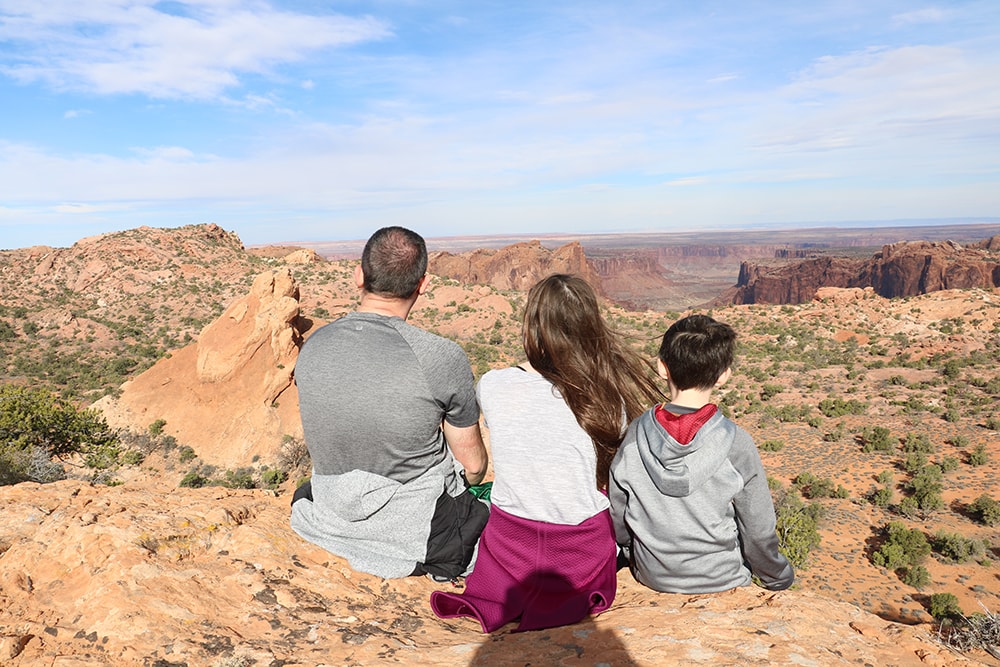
(373,391)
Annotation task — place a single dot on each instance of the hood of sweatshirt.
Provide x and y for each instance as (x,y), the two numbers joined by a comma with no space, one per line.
(678,470)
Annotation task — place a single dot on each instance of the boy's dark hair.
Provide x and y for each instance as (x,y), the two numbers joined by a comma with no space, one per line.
(393,262)
(697,350)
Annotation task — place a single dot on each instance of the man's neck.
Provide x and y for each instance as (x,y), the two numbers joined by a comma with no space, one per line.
(388,306)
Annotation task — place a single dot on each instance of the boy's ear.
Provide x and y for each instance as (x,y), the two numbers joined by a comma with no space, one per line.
(724,378)
(359,277)
(661,370)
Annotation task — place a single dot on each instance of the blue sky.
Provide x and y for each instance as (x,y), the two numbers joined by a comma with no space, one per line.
(324,120)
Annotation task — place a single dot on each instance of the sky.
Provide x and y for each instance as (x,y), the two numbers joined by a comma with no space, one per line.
(319,120)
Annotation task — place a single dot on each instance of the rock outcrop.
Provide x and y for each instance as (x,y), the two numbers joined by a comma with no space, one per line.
(125,576)
(514,267)
(899,270)
(230,395)
(908,269)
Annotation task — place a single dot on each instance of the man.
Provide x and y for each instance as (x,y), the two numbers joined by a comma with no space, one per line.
(387,409)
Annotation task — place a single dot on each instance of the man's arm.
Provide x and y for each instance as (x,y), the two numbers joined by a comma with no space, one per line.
(467,447)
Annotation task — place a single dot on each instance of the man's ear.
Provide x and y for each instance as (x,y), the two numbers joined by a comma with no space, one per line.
(661,370)
(424,283)
(359,277)
(724,378)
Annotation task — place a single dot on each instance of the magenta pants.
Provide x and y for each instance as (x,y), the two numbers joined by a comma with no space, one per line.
(545,574)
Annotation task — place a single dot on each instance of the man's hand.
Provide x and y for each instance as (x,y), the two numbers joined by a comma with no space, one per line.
(467,447)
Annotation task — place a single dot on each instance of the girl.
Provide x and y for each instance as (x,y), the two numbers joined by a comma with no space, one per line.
(548,552)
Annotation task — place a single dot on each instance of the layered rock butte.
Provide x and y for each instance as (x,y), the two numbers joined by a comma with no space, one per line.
(899,270)
(146,573)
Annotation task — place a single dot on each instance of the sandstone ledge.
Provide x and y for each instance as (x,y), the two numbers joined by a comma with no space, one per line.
(127,576)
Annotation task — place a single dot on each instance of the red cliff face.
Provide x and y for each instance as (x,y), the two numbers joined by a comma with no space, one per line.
(907,269)
(899,270)
(514,267)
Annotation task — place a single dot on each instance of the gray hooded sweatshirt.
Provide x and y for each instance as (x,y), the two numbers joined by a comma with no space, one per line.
(698,517)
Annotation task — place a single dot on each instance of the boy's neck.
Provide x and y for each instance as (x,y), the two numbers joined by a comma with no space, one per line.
(690,398)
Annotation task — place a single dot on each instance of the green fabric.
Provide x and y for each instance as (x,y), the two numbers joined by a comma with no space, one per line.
(481,491)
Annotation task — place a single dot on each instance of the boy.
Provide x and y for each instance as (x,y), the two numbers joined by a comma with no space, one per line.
(688,491)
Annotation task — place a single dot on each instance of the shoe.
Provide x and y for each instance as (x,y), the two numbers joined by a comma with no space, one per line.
(441,579)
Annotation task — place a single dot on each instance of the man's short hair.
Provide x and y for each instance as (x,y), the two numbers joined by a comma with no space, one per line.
(697,350)
(393,262)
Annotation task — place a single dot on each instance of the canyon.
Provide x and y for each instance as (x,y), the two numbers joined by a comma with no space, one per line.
(189,331)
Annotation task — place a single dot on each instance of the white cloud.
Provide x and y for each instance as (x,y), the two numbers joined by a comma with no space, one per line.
(926,15)
(77,209)
(131,46)
(688,181)
(888,99)
(165,153)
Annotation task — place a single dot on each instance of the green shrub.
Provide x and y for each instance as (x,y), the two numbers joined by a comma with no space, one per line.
(926,486)
(273,478)
(890,556)
(914,462)
(959,441)
(193,480)
(156,428)
(917,576)
(949,464)
(903,547)
(813,487)
(186,454)
(881,497)
(133,457)
(978,456)
(838,407)
(7,332)
(772,445)
(797,528)
(918,442)
(908,507)
(768,391)
(877,439)
(835,434)
(104,456)
(241,478)
(37,426)
(944,606)
(986,510)
(957,548)
(789,414)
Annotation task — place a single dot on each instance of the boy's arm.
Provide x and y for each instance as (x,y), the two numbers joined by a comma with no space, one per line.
(756,522)
(618,495)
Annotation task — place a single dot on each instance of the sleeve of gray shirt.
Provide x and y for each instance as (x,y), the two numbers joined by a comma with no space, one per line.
(755,518)
(618,494)
(448,373)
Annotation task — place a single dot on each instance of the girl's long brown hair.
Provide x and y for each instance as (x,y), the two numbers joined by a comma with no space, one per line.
(601,379)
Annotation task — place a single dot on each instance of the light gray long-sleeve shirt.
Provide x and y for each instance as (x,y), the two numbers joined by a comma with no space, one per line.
(543,461)
(698,517)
